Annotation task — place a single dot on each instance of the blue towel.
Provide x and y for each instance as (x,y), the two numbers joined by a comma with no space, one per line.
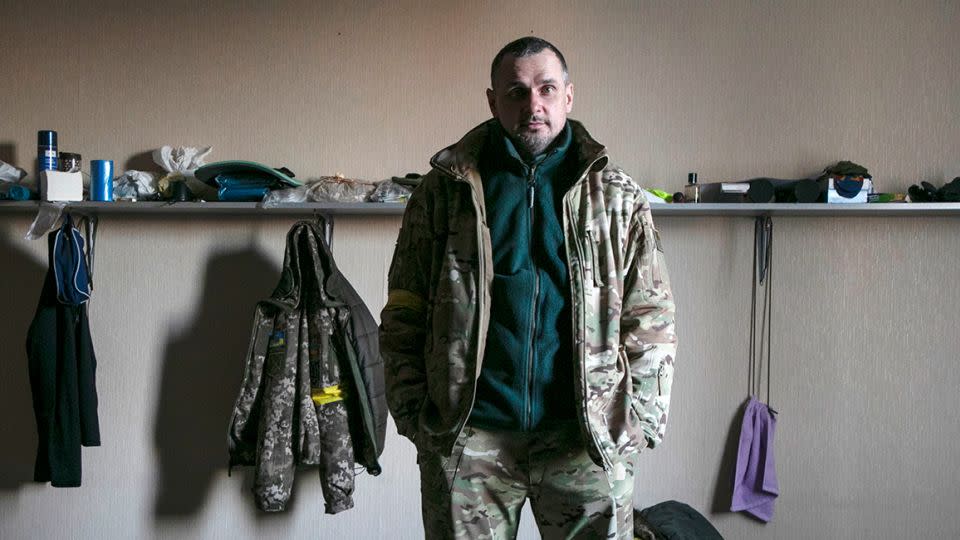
(240,186)
(237,194)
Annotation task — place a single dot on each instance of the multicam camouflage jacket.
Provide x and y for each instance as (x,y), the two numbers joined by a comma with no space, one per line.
(433,327)
(312,391)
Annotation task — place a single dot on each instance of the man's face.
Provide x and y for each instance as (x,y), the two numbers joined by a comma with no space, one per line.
(531,99)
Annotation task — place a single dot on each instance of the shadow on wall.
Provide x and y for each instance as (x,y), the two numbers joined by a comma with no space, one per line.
(723,489)
(8,153)
(202,372)
(20,290)
(142,161)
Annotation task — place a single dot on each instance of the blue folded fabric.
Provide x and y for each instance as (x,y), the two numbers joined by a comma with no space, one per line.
(245,180)
(15,192)
(242,194)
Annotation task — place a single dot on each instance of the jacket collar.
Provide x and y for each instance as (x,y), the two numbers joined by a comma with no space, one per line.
(501,147)
(461,159)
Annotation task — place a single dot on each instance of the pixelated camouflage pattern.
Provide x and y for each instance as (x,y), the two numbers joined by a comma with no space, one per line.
(433,327)
(336,449)
(276,424)
(479,491)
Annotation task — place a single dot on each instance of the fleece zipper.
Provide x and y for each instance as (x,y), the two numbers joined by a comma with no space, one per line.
(531,356)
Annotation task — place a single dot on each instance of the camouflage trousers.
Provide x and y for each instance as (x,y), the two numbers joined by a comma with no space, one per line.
(479,490)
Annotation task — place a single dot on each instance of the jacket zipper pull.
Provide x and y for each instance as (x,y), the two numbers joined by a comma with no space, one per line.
(531,185)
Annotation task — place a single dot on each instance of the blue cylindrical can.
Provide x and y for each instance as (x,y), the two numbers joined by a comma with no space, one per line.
(101,180)
(47,150)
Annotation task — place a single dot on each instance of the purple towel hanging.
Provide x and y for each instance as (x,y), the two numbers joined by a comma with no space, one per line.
(755,483)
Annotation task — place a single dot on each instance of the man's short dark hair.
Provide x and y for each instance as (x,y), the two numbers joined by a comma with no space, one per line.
(527,46)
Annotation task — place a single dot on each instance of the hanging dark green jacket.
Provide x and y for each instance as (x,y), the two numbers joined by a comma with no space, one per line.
(312,391)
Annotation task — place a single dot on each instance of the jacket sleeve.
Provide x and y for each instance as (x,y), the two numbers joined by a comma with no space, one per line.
(273,479)
(403,321)
(336,440)
(647,324)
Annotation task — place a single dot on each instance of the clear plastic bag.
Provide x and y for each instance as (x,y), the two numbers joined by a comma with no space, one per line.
(278,197)
(135,186)
(180,162)
(338,189)
(389,191)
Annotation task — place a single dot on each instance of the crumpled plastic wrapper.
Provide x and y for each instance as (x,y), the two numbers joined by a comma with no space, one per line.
(278,197)
(180,162)
(389,191)
(47,216)
(338,189)
(134,186)
(324,189)
(10,186)
(9,173)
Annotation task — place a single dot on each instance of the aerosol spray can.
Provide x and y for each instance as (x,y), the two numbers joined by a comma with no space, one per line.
(47,150)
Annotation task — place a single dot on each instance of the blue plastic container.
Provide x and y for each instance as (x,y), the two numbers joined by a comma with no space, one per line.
(101,180)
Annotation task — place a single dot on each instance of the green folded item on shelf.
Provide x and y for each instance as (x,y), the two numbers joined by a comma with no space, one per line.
(886,197)
(244,169)
(411,180)
(846,168)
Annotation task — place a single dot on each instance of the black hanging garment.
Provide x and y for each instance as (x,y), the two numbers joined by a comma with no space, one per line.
(62,363)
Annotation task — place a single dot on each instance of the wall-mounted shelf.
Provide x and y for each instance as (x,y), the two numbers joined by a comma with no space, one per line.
(334,209)
(815,209)
(216,208)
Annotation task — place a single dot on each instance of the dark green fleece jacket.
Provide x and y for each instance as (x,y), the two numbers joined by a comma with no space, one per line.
(526,382)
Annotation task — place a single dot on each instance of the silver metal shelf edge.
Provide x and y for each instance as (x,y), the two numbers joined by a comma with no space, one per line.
(217,208)
(302,209)
(815,209)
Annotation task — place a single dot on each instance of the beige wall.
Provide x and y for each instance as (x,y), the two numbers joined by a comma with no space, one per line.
(865,371)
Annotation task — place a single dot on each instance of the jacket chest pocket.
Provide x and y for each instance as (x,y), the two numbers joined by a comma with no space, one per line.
(592,253)
(454,302)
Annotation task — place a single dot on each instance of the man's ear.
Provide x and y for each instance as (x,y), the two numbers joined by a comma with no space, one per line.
(568,93)
(492,102)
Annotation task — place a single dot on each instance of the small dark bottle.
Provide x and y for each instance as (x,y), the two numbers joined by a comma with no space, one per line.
(691,191)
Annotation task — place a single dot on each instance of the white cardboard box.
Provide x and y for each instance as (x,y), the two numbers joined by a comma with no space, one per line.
(61,186)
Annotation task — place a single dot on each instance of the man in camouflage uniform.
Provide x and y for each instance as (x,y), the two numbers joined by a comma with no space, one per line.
(528,335)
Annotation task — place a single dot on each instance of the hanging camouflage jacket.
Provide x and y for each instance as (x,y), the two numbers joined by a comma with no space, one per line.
(312,390)
(434,325)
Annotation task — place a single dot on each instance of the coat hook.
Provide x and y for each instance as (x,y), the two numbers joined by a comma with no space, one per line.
(326,223)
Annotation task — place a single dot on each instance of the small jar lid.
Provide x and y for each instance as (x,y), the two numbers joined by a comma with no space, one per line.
(70,156)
